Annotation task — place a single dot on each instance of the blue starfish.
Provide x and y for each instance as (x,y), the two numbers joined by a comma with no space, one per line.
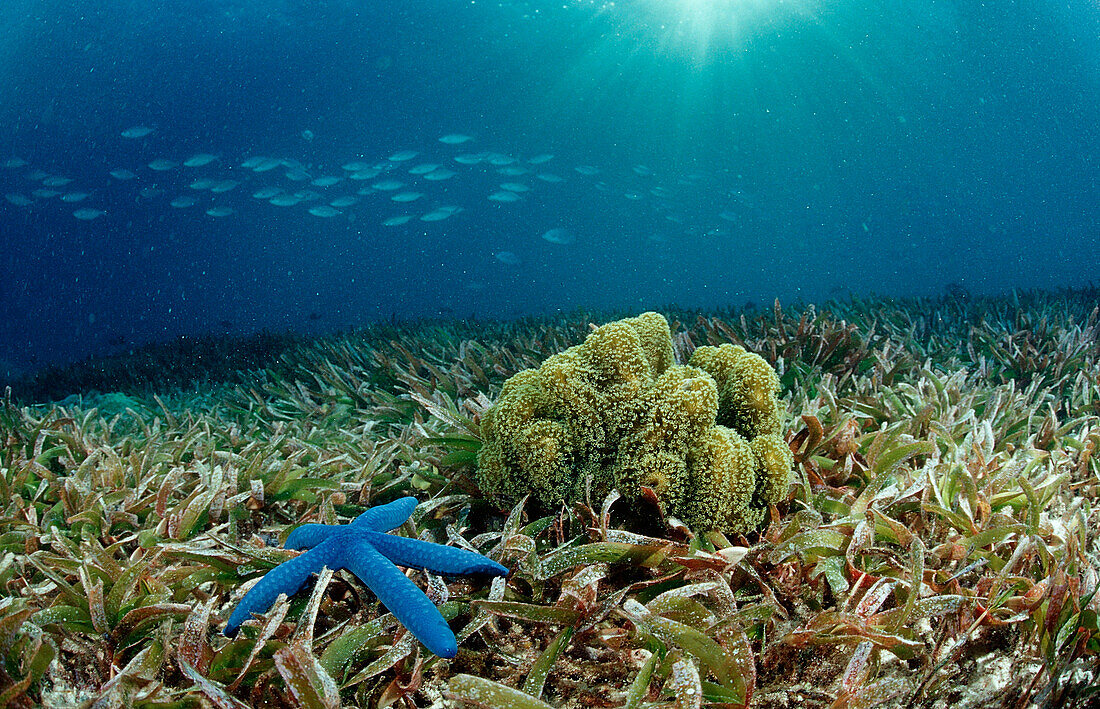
(362,548)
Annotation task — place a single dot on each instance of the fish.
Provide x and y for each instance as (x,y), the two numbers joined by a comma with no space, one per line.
(219,211)
(137,132)
(440,214)
(267,164)
(381,175)
(88,215)
(199,160)
(364,174)
(440,174)
(559,236)
(507,257)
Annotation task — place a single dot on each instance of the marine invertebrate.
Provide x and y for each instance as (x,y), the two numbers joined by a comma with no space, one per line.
(362,548)
(616,411)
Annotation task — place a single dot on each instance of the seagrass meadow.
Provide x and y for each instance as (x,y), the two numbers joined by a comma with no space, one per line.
(937,545)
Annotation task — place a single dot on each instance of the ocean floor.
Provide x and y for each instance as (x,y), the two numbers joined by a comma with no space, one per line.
(937,548)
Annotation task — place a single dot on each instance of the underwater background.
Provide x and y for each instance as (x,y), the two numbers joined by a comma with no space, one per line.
(613,156)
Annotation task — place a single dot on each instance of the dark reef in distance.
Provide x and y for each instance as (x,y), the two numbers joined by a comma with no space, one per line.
(186,362)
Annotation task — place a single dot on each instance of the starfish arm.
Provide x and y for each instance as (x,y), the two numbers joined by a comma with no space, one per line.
(400,595)
(287,578)
(437,558)
(308,536)
(385,517)
(379,519)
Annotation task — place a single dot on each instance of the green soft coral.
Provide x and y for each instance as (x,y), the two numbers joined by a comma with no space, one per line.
(616,411)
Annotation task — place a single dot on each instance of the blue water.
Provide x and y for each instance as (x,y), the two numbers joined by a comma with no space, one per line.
(748,150)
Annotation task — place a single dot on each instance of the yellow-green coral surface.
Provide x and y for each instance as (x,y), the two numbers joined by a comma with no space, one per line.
(616,411)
